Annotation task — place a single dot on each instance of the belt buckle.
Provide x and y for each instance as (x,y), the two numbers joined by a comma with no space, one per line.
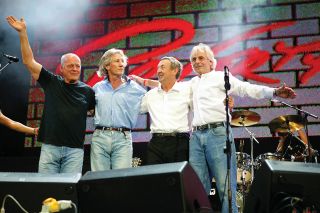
(212,126)
(202,127)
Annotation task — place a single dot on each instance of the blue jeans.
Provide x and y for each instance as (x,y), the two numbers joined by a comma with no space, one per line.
(208,159)
(110,150)
(60,159)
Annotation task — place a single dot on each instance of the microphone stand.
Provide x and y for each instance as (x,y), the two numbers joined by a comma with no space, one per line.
(9,62)
(305,122)
(228,142)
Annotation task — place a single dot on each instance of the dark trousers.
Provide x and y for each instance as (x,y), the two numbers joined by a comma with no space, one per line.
(168,149)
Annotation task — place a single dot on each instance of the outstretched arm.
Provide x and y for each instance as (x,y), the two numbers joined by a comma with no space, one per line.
(17,126)
(144,81)
(303,136)
(281,143)
(285,92)
(26,51)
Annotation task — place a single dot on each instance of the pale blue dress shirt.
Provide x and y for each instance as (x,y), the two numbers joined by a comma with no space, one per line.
(118,107)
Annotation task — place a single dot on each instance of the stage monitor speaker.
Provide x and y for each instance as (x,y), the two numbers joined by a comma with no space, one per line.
(281,185)
(170,188)
(31,189)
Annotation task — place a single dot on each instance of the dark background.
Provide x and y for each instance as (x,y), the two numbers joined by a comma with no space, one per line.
(14,89)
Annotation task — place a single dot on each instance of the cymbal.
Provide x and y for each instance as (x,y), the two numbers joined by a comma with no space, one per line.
(244,118)
(286,122)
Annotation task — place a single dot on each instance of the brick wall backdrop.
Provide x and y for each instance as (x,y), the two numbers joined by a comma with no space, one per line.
(267,42)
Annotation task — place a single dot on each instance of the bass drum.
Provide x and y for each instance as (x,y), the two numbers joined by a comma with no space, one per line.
(266,156)
(243,175)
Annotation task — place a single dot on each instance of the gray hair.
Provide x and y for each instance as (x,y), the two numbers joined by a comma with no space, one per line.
(207,50)
(106,60)
(174,64)
(68,55)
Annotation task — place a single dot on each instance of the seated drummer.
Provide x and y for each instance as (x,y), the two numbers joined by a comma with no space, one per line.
(298,149)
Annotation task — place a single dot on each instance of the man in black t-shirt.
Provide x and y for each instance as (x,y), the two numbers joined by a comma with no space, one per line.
(67,101)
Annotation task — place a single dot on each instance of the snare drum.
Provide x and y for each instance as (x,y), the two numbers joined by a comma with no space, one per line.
(266,156)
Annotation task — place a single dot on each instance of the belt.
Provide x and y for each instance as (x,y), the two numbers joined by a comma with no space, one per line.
(120,129)
(208,126)
(169,134)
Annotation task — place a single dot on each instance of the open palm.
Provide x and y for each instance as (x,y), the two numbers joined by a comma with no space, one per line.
(16,24)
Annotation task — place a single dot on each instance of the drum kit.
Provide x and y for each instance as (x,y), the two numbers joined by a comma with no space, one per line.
(293,147)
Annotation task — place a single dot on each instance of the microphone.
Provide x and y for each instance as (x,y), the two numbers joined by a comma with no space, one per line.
(11,58)
(226,78)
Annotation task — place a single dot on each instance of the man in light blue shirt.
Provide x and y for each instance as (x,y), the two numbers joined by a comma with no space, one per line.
(118,102)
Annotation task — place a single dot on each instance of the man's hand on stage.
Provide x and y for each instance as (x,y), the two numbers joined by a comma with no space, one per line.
(18,25)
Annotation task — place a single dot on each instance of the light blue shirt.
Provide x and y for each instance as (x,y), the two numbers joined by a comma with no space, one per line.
(118,107)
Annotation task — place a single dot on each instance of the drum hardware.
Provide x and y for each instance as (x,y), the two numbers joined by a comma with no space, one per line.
(136,162)
(241,145)
(240,202)
(304,121)
(245,162)
(286,124)
(243,167)
(293,147)
(316,155)
(296,150)
(246,118)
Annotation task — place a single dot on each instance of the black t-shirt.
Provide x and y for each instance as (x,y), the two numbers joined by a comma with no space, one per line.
(64,116)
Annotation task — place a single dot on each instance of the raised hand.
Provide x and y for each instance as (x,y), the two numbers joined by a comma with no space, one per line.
(285,92)
(18,25)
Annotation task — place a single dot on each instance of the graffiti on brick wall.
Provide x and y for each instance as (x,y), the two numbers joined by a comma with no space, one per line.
(250,59)
(244,63)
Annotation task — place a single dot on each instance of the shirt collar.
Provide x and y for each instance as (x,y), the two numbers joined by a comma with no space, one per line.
(126,79)
(176,87)
(206,74)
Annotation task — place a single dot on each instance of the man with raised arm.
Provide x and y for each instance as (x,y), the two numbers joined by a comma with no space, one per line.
(67,101)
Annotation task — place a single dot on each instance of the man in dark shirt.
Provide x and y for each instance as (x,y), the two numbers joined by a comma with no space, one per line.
(67,101)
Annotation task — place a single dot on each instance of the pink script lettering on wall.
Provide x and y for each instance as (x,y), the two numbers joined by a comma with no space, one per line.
(243,63)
